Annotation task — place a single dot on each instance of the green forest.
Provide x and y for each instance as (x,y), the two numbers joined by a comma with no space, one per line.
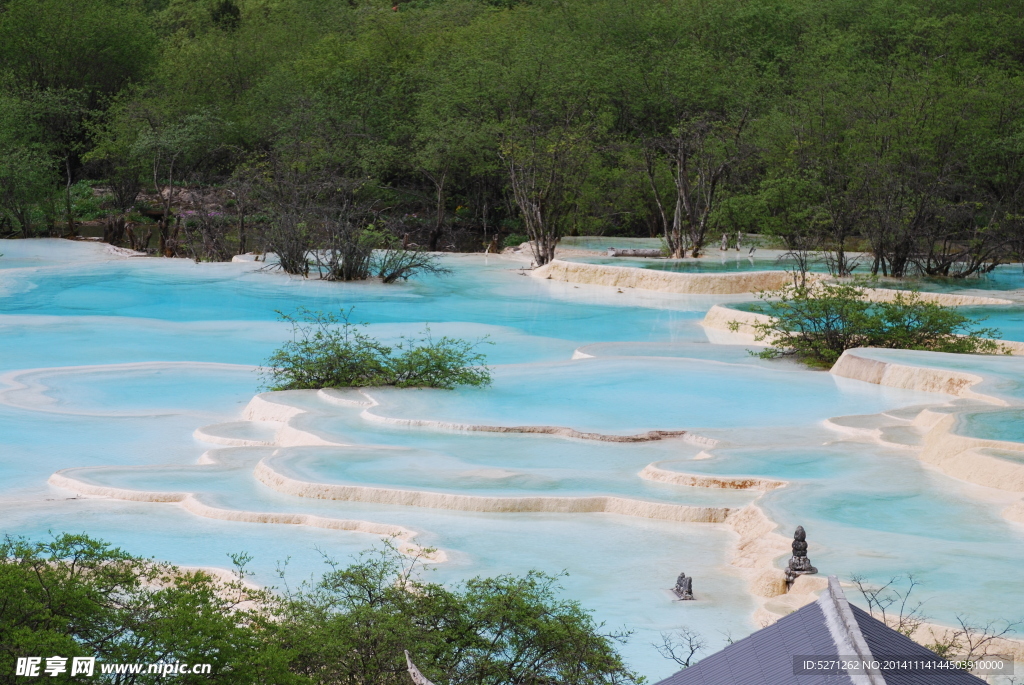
(208,128)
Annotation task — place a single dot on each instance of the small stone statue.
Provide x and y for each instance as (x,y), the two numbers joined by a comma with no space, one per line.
(799,564)
(684,587)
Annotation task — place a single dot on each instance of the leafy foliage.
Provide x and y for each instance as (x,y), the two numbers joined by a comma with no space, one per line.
(515,240)
(76,596)
(841,127)
(355,623)
(328,351)
(817,323)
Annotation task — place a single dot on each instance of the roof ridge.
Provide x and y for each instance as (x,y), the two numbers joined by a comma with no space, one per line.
(845,630)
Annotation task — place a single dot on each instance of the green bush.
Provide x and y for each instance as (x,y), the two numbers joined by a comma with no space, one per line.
(87,207)
(515,240)
(328,351)
(818,323)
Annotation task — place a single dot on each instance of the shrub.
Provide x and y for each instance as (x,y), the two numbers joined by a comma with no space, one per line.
(515,240)
(328,351)
(818,323)
(443,363)
(87,207)
(390,261)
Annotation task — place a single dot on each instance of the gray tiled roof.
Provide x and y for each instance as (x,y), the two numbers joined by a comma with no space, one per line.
(766,656)
(886,642)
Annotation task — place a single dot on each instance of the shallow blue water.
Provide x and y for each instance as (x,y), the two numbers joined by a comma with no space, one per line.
(868,510)
(996,425)
(1008,320)
(604,242)
(712,264)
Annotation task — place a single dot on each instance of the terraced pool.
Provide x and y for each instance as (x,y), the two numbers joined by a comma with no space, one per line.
(111,364)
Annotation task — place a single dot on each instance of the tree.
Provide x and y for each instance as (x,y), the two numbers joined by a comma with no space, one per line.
(391,262)
(292,193)
(682,646)
(96,47)
(174,149)
(967,641)
(76,596)
(700,151)
(546,167)
(817,323)
(529,98)
(356,623)
(26,166)
(69,59)
(828,157)
(61,114)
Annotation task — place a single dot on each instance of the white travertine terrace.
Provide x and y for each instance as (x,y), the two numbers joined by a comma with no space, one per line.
(208,434)
(721,318)
(755,554)
(276,480)
(905,434)
(263,408)
(946,299)
(560,431)
(662,281)
(966,457)
(730,283)
(959,456)
(896,375)
(758,550)
(1015,512)
(656,473)
(757,547)
(189,502)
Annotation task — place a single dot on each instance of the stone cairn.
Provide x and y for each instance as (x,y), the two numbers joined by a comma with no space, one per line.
(684,587)
(799,564)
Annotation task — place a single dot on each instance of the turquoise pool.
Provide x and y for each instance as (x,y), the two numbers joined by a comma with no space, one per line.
(111,363)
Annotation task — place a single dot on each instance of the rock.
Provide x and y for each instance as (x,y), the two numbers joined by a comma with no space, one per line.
(684,587)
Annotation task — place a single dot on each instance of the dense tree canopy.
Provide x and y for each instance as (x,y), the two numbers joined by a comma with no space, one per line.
(75,596)
(881,126)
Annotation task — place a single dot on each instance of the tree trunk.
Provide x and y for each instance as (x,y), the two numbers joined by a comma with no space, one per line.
(438,230)
(241,233)
(68,205)
(165,219)
(672,232)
